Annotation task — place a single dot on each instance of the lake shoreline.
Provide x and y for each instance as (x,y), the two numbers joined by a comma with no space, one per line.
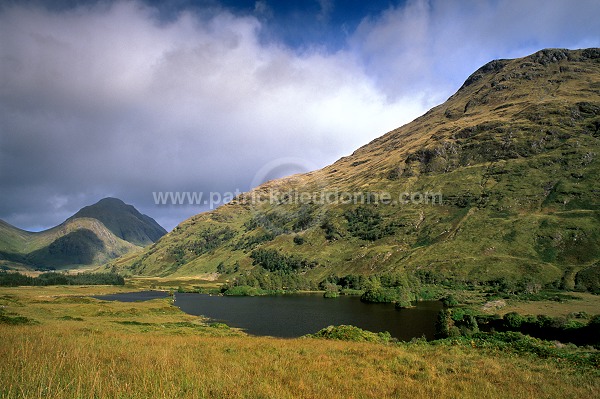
(293,315)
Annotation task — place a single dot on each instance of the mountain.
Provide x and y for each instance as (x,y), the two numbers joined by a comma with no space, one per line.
(124,221)
(94,235)
(513,157)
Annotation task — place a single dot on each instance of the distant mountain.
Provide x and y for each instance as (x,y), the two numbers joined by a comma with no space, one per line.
(94,235)
(514,157)
(124,221)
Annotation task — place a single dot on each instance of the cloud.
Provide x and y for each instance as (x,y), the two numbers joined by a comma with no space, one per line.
(262,9)
(110,100)
(326,7)
(114,99)
(432,46)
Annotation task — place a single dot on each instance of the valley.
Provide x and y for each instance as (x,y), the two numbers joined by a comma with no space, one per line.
(488,203)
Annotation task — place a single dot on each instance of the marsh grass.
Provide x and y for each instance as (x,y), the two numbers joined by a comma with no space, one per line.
(152,350)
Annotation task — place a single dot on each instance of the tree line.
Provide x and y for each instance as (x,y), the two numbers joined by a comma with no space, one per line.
(13,279)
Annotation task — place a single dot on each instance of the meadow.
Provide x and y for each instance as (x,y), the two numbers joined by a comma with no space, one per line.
(57,342)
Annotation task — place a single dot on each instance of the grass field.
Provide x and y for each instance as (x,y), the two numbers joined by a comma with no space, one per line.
(74,346)
(587,303)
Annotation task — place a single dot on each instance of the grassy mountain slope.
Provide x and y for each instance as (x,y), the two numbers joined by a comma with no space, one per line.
(83,239)
(513,155)
(12,238)
(12,242)
(124,221)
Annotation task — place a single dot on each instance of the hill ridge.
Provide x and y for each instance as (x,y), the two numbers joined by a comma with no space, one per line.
(82,239)
(123,220)
(514,152)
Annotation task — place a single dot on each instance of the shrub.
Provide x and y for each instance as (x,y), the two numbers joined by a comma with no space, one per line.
(379,295)
(259,277)
(244,290)
(513,320)
(391,288)
(330,230)
(352,281)
(14,320)
(331,291)
(443,324)
(351,333)
(272,260)
(303,218)
(588,279)
(366,223)
(221,268)
(450,301)
(468,326)
(254,240)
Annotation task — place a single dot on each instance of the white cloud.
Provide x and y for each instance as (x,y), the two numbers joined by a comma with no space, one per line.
(110,99)
(432,46)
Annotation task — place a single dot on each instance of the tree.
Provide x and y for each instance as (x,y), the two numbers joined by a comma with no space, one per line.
(443,324)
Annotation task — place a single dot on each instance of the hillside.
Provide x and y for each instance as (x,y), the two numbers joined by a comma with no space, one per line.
(123,220)
(83,239)
(512,156)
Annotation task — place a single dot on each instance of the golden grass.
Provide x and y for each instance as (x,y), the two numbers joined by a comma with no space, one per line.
(174,355)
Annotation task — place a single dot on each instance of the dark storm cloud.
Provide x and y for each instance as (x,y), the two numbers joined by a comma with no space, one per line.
(114,99)
(111,101)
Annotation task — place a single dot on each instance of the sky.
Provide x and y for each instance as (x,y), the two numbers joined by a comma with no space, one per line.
(128,99)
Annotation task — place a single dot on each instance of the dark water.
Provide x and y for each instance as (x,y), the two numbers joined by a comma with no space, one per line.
(296,315)
(134,296)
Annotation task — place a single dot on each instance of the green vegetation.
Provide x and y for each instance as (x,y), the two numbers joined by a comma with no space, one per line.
(109,349)
(367,224)
(11,279)
(94,235)
(272,260)
(203,242)
(399,288)
(391,288)
(13,319)
(77,247)
(244,290)
(331,231)
(331,291)
(124,221)
(588,279)
(519,344)
(263,281)
(516,170)
(276,223)
(351,333)
(514,153)
(579,329)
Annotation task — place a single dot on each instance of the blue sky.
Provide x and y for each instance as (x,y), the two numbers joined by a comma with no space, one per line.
(126,98)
